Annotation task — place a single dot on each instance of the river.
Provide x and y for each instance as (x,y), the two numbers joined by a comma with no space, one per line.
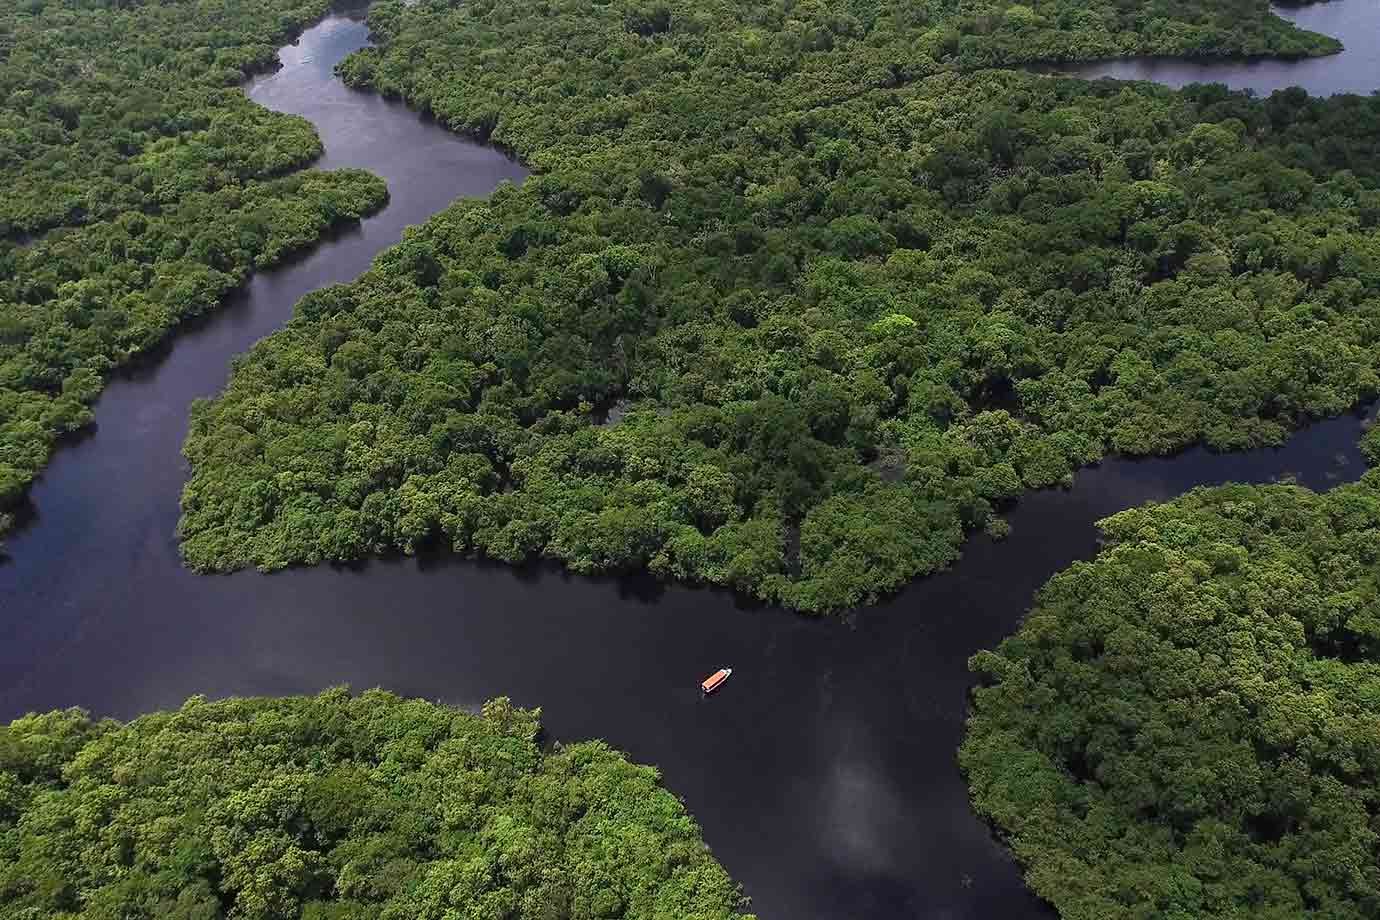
(1355,22)
(824,773)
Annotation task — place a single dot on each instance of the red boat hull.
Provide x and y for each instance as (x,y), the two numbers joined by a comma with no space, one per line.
(714,681)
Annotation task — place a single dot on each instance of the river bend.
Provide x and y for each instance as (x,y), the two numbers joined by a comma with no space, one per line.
(824,775)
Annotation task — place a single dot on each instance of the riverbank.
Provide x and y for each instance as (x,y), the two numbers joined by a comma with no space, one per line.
(1351,71)
(842,797)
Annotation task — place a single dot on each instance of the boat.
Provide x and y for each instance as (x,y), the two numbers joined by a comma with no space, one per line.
(716,680)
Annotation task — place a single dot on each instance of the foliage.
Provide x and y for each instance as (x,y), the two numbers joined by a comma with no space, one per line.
(108,106)
(338,808)
(1370,444)
(1184,727)
(122,131)
(845,294)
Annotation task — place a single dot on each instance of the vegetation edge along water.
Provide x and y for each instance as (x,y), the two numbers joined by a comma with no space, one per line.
(339,807)
(855,293)
(1183,727)
(142,186)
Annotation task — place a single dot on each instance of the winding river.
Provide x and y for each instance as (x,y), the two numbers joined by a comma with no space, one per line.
(824,775)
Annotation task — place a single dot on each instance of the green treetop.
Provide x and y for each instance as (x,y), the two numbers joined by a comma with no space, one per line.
(338,807)
(1185,727)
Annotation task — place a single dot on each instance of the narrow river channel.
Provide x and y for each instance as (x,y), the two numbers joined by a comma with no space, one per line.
(823,775)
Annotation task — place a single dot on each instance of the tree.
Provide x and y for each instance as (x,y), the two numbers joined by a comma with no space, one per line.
(338,806)
(1179,727)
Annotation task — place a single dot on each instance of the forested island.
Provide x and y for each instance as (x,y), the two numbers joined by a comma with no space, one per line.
(847,293)
(141,186)
(1185,727)
(339,807)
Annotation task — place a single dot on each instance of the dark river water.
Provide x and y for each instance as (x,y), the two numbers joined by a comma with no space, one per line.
(1355,70)
(823,774)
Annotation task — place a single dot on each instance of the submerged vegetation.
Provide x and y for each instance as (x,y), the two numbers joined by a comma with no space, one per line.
(853,297)
(1184,727)
(151,187)
(339,808)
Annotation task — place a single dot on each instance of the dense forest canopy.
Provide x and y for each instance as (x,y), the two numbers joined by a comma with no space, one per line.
(1185,727)
(336,807)
(846,297)
(152,185)
(100,97)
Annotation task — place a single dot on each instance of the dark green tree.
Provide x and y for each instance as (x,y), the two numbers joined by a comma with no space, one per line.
(339,807)
(1183,727)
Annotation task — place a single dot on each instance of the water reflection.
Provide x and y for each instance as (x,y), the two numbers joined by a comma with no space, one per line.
(1355,22)
(824,774)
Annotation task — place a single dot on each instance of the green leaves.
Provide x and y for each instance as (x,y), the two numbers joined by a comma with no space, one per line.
(843,285)
(339,808)
(1183,726)
(157,186)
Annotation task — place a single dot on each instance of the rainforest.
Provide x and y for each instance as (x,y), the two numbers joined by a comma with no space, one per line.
(846,293)
(1183,726)
(338,807)
(799,299)
(140,187)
